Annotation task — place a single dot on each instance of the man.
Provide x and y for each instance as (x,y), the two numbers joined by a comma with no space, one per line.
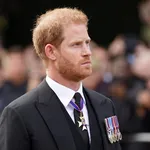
(15,79)
(60,114)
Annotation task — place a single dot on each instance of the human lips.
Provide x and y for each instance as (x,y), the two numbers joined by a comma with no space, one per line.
(86,62)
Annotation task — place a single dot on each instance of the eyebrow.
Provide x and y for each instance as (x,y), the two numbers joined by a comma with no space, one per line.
(80,40)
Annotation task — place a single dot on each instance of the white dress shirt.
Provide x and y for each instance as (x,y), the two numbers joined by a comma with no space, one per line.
(65,95)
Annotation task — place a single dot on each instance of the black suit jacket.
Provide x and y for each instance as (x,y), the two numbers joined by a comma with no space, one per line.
(35,121)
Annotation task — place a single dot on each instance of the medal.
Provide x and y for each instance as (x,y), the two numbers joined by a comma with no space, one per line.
(109,132)
(81,123)
(115,129)
(112,127)
(119,135)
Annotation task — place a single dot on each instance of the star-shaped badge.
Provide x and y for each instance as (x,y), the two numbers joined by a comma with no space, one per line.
(82,123)
(84,128)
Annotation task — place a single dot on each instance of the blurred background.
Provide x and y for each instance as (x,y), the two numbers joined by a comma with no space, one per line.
(120,33)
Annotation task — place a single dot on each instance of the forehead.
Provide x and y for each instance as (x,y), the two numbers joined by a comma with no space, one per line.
(76,32)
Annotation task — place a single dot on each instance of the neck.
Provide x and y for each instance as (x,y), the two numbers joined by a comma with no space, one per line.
(63,81)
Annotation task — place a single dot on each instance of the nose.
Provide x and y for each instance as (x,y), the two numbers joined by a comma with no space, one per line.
(86,50)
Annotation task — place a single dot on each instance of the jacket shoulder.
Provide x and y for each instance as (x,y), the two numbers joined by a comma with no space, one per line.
(24,101)
(100,97)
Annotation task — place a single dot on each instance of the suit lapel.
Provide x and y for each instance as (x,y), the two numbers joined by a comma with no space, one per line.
(50,109)
(95,142)
(101,111)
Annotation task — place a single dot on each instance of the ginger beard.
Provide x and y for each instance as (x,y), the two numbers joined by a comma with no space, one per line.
(73,71)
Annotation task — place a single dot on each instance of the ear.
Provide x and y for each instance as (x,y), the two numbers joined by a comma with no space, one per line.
(49,51)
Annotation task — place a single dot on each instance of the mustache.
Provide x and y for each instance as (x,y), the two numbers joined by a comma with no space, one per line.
(86,61)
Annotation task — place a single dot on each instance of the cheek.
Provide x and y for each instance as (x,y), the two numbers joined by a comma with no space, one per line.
(69,56)
(69,59)
(69,62)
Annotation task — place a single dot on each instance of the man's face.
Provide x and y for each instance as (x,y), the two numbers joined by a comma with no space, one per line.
(74,55)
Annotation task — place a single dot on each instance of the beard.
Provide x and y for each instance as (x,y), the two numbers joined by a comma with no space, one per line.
(71,71)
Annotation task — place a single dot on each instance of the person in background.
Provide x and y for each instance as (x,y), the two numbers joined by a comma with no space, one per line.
(35,68)
(15,78)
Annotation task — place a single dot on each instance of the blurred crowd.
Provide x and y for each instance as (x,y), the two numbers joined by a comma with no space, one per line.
(20,71)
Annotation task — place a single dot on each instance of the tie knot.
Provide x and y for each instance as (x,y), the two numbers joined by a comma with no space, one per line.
(77,98)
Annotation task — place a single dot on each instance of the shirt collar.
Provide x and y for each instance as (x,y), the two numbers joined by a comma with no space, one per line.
(64,93)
